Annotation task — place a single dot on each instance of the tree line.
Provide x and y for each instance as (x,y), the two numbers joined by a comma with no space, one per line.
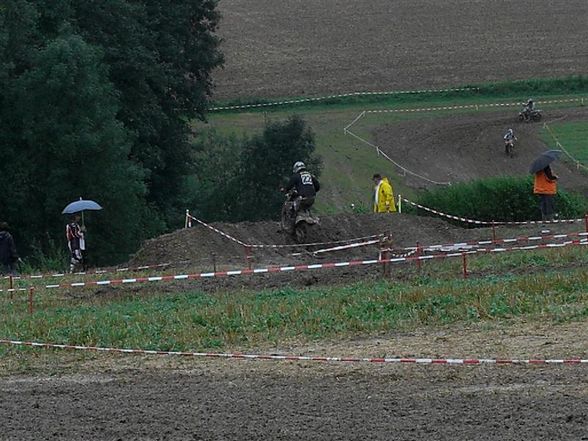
(96,100)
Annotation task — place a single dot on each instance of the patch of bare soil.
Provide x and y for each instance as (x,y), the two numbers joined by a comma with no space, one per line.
(297,48)
(465,147)
(155,398)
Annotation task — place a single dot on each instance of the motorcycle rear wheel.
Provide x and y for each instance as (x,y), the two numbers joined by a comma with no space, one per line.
(300,232)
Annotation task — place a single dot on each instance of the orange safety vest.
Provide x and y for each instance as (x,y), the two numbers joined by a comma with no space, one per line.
(543,185)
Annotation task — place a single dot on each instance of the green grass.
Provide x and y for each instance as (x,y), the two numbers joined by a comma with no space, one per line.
(573,136)
(499,288)
(547,86)
(349,163)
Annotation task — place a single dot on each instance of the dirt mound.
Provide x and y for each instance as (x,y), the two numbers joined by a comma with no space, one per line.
(465,147)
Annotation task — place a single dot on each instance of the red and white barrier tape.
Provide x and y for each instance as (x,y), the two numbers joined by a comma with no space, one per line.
(346,247)
(313,358)
(90,273)
(285,269)
(342,95)
(479,222)
(469,244)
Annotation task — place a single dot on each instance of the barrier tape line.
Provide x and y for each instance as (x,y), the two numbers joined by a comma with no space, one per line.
(401,167)
(457,245)
(298,245)
(90,273)
(470,106)
(342,95)
(479,222)
(312,358)
(304,267)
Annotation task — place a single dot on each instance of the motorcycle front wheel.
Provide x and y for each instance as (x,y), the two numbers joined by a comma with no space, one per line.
(536,117)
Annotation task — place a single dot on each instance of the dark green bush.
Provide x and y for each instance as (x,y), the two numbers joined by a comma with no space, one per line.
(499,199)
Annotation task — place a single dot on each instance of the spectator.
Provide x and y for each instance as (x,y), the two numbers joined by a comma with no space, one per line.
(8,255)
(383,195)
(75,243)
(545,186)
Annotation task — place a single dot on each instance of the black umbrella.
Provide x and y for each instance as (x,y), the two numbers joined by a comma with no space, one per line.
(544,160)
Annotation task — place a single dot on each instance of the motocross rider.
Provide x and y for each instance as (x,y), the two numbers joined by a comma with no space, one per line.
(305,186)
(509,138)
(529,107)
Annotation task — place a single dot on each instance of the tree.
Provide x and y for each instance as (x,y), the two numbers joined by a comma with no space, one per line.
(266,162)
(71,145)
(160,56)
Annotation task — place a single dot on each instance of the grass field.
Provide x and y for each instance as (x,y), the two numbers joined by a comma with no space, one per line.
(499,287)
(573,137)
(349,163)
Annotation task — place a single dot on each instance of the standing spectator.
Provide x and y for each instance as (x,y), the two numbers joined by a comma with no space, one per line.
(75,242)
(383,195)
(545,186)
(8,255)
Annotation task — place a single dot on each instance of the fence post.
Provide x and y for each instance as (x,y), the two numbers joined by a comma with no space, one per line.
(418,255)
(493,231)
(31,291)
(399,203)
(187,221)
(11,286)
(465,265)
(248,256)
(214,262)
(586,222)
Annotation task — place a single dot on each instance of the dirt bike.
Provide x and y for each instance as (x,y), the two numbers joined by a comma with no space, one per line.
(509,147)
(533,115)
(296,220)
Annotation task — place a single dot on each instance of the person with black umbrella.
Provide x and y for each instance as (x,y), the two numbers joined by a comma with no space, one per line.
(545,183)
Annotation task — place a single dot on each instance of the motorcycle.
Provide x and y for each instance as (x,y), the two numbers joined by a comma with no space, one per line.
(295,219)
(533,115)
(509,147)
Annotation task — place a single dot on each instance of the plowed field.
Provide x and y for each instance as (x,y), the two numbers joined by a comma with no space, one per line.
(300,48)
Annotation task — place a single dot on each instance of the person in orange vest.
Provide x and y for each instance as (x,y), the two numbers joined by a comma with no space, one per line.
(545,186)
(383,195)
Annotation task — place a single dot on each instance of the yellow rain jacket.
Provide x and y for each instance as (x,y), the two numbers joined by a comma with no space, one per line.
(384,198)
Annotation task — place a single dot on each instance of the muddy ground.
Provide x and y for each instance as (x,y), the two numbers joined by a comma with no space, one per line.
(102,397)
(465,147)
(299,48)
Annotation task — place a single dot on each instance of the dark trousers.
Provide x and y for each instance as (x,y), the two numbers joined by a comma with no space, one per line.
(547,206)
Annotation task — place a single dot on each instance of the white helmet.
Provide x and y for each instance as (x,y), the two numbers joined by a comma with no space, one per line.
(299,165)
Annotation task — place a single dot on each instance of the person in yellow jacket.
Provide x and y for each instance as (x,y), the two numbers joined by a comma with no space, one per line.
(383,195)
(545,186)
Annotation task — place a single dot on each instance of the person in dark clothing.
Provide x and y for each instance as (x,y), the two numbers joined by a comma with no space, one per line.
(8,255)
(305,184)
(74,234)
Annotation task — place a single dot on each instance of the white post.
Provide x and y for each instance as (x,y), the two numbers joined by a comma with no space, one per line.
(186,222)
(399,203)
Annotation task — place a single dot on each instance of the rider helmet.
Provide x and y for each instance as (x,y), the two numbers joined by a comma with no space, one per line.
(298,166)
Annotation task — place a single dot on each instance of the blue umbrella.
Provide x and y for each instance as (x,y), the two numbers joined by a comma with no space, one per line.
(81,205)
(544,160)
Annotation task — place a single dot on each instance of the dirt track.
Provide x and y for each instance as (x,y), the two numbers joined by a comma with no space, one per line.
(297,48)
(466,147)
(122,397)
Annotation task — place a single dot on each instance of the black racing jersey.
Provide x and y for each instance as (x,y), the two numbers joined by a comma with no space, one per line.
(306,185)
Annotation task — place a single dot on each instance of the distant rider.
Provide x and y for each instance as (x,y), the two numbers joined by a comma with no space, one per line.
(529,107)
(305,185)
(509,139)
